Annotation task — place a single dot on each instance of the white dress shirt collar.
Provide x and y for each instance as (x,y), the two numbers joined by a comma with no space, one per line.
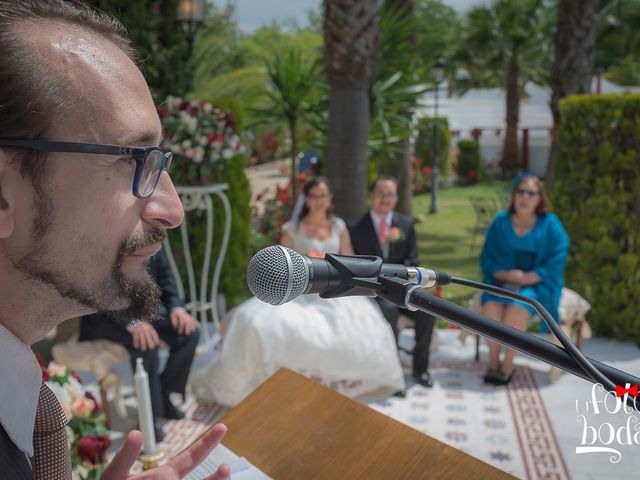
(20,381)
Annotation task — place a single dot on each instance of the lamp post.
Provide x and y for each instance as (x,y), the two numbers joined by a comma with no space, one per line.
(190,15)
(438,70)
(599,72)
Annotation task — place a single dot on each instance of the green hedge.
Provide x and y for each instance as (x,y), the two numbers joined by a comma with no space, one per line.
(232,278)
(424,143)
(597,195)
(469,168)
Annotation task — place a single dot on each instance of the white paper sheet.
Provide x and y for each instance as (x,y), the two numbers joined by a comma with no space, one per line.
(241,468)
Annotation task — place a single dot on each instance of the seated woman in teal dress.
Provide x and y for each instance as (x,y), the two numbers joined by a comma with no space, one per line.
(525,250)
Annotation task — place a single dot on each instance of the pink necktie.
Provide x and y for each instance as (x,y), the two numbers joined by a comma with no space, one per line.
(51,458)
(384,231)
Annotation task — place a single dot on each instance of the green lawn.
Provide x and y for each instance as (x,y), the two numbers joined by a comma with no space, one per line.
(444,239)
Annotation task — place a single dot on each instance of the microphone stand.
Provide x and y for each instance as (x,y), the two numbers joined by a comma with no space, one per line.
(406,295)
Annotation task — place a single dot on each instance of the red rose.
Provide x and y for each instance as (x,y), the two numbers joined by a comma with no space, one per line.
(93,450)
(426,170)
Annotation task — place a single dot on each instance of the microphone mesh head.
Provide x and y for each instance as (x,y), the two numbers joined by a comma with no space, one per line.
(277,275)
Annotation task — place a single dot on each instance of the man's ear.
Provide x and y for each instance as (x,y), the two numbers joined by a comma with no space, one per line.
(7,221)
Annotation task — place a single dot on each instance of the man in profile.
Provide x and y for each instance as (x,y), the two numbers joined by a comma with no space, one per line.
(85,199)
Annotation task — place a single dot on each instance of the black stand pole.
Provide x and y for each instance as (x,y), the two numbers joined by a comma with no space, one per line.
(408,296)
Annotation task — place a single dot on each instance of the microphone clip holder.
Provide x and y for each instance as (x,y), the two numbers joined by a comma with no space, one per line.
(358,275)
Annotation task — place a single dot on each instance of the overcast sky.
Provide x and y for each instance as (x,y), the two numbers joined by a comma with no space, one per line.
(252,14)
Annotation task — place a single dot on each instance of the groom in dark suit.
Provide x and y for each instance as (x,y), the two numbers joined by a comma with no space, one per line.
(174,325)
(391,235)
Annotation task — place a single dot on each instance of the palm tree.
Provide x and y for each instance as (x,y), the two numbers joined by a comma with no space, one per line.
(351,45)
(289,86)
(508,44)
(573,65)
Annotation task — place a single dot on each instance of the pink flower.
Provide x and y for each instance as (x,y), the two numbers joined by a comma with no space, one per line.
(83,408)
(394,234)
(96,405)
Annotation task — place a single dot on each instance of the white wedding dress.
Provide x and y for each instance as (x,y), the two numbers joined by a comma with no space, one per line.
(343,343)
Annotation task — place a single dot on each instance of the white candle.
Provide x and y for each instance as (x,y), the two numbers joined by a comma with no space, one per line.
(145,413)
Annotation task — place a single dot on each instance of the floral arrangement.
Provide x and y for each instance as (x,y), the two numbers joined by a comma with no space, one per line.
(421,175)
(200,136)
(89,439)
(270,212)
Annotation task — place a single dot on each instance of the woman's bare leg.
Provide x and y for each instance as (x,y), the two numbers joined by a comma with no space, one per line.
(496,311)
(516,317)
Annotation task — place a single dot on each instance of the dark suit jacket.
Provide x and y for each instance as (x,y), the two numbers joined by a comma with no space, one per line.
(93,326)
(13,463)
(365,239)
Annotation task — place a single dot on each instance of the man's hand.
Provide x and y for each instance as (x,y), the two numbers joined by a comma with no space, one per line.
(176,468)
(182,322)
(145,337)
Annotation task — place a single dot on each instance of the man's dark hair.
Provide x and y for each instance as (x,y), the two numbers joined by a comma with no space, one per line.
(383,178)
(33,92)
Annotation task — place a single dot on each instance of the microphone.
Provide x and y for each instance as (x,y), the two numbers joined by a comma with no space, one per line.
(277,275)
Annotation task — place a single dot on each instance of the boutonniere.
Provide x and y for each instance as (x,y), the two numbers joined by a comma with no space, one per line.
(395,234)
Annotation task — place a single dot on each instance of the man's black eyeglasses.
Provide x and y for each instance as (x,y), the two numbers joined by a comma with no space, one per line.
(150,161)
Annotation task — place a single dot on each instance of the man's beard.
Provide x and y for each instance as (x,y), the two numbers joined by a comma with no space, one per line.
(122,298)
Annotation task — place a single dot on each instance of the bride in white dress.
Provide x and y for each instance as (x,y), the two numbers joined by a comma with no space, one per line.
(344,343)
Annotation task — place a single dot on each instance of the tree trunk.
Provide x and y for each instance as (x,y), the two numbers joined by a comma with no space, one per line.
(403,172)
(573,65)
(351,46)
(294,154)
(347,149)
(510,158)
(402,162)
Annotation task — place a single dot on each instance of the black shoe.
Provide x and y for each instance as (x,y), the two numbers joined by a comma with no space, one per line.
(172,412)
(424,379)
(159,433)
(490,377)
(400,394)
(503,379)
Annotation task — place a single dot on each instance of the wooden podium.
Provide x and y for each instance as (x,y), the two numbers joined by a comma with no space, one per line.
(293,428)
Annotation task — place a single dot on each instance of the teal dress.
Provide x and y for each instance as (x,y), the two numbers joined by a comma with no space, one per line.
(542,250)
